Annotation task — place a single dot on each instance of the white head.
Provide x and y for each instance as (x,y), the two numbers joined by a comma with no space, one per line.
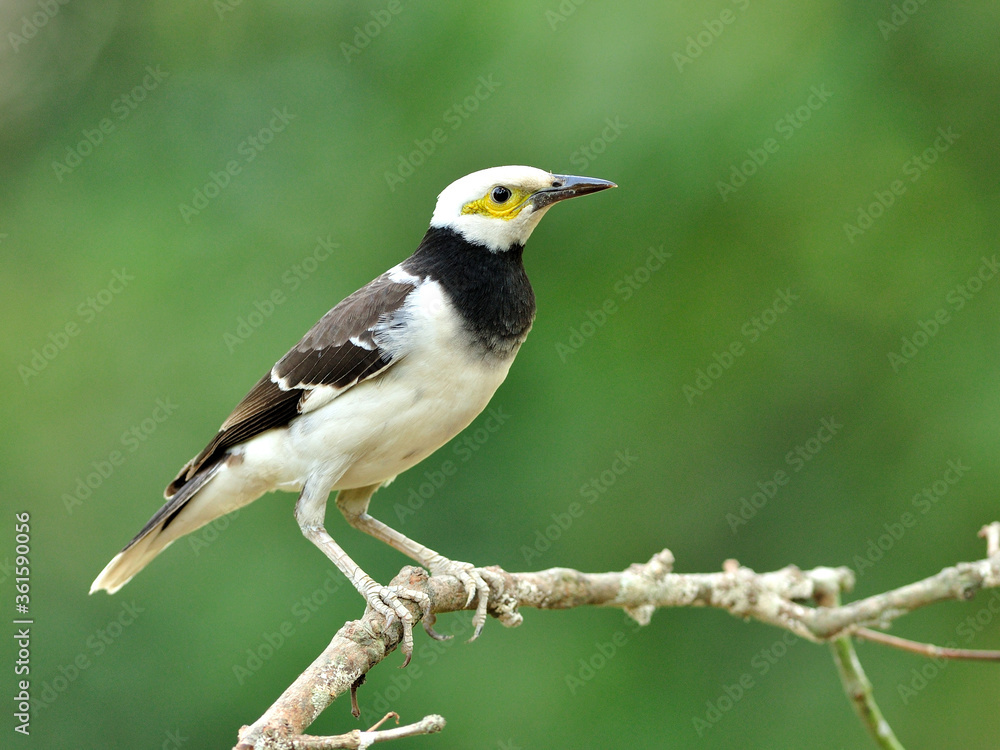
(500,207)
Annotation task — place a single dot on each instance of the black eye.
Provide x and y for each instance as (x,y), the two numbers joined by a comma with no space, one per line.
(501,194)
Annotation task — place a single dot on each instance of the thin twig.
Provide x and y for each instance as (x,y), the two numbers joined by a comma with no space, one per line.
(857,685)
(991,532)
(359,740)
(383,720)
(859,689)
(926,649)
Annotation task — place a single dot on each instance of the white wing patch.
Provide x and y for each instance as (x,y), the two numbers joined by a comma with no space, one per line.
(366,345)
(398,275)
(282,383)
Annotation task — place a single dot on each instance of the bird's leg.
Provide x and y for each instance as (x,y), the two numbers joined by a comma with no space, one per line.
(309,512)
(354,505)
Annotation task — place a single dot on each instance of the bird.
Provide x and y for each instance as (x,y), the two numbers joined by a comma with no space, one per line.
(385,378)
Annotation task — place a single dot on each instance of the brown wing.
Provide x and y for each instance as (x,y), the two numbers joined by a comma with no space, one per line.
(339,351)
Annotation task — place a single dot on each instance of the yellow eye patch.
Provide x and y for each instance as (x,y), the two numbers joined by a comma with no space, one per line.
(507,210)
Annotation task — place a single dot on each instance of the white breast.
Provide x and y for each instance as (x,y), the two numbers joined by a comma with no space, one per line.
(382,427)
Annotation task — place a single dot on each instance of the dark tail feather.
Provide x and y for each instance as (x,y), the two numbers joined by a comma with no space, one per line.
(153,538)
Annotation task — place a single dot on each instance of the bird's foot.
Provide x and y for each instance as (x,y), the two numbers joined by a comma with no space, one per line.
(386,600)
(474,581)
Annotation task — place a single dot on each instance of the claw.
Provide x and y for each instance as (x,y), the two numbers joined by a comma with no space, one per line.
(428,622)
(476,632)
(470,586)
(386,601)
(479,619)
(475,585)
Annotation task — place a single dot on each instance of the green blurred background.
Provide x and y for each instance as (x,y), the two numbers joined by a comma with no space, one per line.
(811,113)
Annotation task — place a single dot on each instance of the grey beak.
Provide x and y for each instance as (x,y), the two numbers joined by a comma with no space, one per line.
(568,186)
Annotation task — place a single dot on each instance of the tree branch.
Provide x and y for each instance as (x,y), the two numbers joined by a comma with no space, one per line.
(777,598)
(358,740)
